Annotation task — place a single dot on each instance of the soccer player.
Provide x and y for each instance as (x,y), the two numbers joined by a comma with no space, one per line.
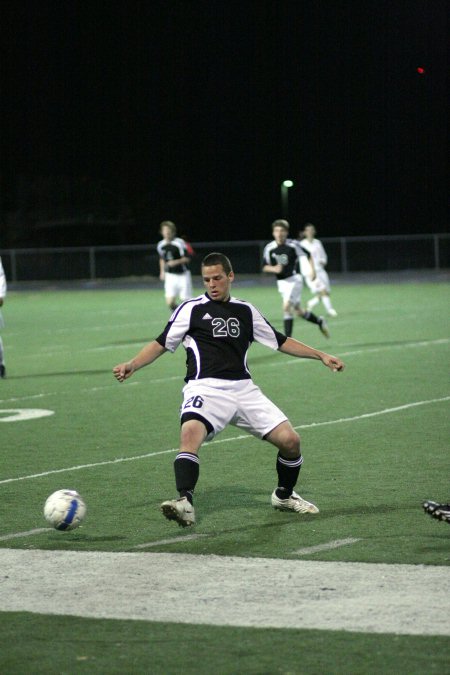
(288,261)
(216,331)
(320,286)
(2,324)
(173,265)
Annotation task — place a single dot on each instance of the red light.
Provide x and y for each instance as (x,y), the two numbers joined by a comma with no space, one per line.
(421,70)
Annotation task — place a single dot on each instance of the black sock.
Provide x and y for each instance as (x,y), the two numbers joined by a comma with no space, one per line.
(309,316)
(288,324)
(187,469)
(287,470)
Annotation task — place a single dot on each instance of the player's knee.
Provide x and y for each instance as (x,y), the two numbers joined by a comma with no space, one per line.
(291,444)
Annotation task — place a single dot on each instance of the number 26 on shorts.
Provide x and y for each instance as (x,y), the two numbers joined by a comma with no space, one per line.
(194,402)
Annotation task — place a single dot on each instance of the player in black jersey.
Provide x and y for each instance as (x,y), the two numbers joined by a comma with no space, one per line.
(174,261)
(288,261)
(216,331)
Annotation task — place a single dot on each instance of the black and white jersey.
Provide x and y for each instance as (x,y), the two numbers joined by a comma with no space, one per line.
(217,336)
(2,281)
(173,250)
(286,254)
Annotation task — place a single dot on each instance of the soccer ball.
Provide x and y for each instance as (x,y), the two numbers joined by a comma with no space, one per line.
(64,510)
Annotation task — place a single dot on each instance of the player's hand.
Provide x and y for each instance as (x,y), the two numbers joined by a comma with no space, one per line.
(123,371)
(333,363)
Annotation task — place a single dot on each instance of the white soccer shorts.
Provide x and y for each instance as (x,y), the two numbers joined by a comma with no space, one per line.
(320,283)
(178,285)
(237,402)
(290,289)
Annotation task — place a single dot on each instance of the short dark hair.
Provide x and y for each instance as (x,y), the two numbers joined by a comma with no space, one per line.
(218,259)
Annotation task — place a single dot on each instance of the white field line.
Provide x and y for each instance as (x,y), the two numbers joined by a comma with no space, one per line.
(278,363)
(337,543)
(374,350)
(228,590)
(173,540)
(79,467)
(59,349)
(90,390)
(28,533)
(312,425)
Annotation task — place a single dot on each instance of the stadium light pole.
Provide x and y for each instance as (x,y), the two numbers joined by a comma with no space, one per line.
(285,185)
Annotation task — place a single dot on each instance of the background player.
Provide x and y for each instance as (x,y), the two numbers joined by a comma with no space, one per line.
(217,330)
(288,261)
(320,285)
(2,297)
(173,265)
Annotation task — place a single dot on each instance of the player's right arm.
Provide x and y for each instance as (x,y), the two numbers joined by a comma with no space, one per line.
(147,355)
(267,261)
(161,269)
(273,269)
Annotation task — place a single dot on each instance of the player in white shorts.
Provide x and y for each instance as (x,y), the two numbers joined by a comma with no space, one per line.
(320,286)
(173,265)
(2,324)
(286,259)
(216,331)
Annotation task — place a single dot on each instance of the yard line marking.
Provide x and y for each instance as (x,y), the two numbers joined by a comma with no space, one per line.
(28,533)
(27,398)
(373,414)
(174,540)
(89,390)
(423,343)
(62,393)
(118,460)
(337,543)
(371,350)
(311,425)
(228,590)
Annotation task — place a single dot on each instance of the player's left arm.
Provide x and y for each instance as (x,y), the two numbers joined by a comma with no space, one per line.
(299,349)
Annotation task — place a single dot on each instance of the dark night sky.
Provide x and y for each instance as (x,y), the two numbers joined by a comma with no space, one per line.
(196,110)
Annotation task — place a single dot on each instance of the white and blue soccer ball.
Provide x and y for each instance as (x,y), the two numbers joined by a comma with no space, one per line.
(64,510)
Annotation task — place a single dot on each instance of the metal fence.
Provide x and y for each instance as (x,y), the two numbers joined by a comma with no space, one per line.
(345,254)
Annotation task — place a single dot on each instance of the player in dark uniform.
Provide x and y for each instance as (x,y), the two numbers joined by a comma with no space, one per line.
(216,331)
(288,261)
(174,261)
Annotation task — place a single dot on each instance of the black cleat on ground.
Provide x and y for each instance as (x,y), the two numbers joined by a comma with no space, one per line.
(437,510)
(323,327)
(2,372)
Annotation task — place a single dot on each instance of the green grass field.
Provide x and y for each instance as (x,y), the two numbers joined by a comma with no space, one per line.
(374,438)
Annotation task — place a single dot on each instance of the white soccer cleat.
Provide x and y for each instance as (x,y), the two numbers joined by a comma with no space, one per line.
(332,312)
(180,510)
(293,503)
